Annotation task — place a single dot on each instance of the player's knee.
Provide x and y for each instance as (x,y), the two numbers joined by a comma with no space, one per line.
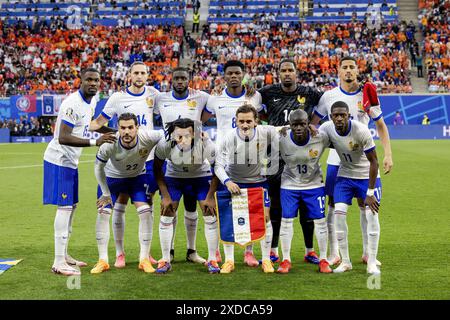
(340,208)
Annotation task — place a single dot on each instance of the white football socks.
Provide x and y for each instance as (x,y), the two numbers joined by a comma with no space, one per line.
(175,220)
(331,224)
(166,235)
(190,222)
(211,235)
(321,230)
(119,226)
(102,232)
(373,232)
(229,252)
(363,223)
(145,230)
(266,243)
(70,228)
(342,231)
(286,234)
(61,228)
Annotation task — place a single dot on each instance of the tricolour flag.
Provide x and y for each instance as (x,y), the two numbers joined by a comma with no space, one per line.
(6,264)
(241,217)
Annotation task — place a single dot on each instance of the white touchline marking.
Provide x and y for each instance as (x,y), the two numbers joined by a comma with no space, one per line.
(37,165)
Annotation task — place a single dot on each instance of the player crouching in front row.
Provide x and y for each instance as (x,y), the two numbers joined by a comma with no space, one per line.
(239,165)
(120,169)
(189,153)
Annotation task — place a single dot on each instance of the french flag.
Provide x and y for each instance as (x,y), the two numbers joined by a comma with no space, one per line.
(241,217)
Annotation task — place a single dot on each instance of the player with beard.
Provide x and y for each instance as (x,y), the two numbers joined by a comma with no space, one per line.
(280,100)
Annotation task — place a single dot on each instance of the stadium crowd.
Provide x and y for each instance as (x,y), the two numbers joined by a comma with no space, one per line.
(316,48)
(47,57)
(42,126)
(435,25)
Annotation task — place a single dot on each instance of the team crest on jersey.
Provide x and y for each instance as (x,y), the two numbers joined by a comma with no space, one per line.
(192,103)
(143,153)
(64,196)
(353,146)
(360,106)
(301,101)
(150,102)
(313,153)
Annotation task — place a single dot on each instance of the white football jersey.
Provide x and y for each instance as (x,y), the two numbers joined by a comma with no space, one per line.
(351,148)
(302,169)
(141,105)
(247,161)
(224,108)
(355,103)
(193,163)
(171,108)
(128,163)
(77,113)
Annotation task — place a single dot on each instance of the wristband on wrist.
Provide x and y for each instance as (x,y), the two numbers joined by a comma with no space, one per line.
(370,192)
(92,142)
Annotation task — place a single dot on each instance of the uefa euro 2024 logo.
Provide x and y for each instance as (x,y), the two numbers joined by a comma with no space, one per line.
(23,103)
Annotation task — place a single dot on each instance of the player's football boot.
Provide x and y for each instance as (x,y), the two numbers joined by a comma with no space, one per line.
(227,267)
(373,269)
(285,266)
(334,261)
(120,261)
(274,257)
(100,267)
(324,266)
(312,258)
(192,256)
(250,260)
(152,260)
(72,262)
(65,270)
(267,266)
(145,265)
(364,260)
(218,256)
(213,267)
(172,255)
(163,267)
(343,267)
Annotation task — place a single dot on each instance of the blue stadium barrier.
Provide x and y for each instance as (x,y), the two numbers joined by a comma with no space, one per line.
(259,10)
(4,135)
(310,19)
(41,139)
(345,2)
(111,22)
(347,9)
(138,12)
(416,132)
(150,4)
(253,3)
(41,14)
(42,5)
(21,139)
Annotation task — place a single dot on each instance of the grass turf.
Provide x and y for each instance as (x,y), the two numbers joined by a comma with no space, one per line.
(414,246)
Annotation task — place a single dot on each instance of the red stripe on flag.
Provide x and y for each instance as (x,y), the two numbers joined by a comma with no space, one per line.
(256,213)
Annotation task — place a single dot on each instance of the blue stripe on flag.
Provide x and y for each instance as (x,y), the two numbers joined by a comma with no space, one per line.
(225,216)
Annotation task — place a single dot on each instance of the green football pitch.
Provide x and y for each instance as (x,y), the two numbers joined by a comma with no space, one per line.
(414,245)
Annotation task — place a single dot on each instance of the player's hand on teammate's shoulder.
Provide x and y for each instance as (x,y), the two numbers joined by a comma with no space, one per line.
(103,201)
(284,130)
(205,136)
(233,188)
(314,131)
(373,204)
(249,90)
(109,137)
(218,89)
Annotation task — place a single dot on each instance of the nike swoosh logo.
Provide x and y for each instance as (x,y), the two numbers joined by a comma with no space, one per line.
(127,106)
(288,155)
(166,105)
(276,100)
(221,107)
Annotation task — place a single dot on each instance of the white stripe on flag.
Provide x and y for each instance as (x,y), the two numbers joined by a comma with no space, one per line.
(241,218)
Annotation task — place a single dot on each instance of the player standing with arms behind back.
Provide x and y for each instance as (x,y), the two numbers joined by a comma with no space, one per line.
(61,164)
